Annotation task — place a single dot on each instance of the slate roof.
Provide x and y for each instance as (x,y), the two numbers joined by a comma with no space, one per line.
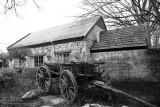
(74,29)
(121,38)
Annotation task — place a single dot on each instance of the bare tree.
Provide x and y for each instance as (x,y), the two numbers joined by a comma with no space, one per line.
(118,13)
(155,14)
(14,5)
(155,6)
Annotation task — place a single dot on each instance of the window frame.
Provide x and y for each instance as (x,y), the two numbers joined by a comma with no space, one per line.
(38,60)
(62,57)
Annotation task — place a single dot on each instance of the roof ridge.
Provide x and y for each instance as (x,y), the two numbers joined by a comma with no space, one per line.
(124,27)
(93,24)
(75,29)
(68,23)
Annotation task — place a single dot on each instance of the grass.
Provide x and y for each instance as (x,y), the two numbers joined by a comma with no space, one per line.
(14,86)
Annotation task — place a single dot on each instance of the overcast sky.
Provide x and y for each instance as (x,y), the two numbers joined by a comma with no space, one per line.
(52,13)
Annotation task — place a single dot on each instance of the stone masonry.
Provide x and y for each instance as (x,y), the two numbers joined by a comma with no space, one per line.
(77,50)
(131,64)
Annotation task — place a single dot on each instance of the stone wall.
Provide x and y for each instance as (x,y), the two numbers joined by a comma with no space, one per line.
(47,50)
(131,64)
(78,51)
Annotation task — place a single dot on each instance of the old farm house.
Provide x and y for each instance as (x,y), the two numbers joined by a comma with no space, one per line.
(124,50)
(68,42)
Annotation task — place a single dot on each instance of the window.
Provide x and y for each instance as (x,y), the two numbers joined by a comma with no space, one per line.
(38,60)
(21,61)
(62,57)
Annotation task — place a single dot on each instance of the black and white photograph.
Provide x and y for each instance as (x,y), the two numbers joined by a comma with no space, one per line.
(79,53)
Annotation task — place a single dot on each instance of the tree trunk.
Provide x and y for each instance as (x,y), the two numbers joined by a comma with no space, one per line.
(148,36)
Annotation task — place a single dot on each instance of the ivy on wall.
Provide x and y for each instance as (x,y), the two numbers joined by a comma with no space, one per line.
(19,53)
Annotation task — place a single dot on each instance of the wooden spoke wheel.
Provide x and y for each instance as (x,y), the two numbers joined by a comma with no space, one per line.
(68,86)
(44,79)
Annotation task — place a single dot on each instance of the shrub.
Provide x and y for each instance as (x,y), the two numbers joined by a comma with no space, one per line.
(15,85)
(6,78)
(10,79)
(28,79)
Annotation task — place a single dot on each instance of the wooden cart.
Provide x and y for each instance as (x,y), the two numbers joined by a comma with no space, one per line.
(69,75)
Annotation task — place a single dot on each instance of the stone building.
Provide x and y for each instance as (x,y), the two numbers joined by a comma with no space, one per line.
(124,50)
(127,54)
(65,43)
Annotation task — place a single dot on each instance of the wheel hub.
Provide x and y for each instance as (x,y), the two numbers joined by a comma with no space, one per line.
(42,79)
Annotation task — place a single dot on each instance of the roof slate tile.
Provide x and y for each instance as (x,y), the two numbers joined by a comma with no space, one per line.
(120,38)
(71,30)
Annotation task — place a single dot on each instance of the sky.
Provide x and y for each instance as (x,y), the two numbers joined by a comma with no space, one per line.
(52,13)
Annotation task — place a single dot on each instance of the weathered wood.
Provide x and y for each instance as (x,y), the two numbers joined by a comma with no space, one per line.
(106,86)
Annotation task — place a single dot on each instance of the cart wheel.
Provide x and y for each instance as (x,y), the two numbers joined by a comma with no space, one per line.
(44,79)
(68,86)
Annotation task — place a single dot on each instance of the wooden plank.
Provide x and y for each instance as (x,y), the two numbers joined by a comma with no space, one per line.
(106,86)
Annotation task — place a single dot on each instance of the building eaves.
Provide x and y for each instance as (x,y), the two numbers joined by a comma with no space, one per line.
(17,41)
